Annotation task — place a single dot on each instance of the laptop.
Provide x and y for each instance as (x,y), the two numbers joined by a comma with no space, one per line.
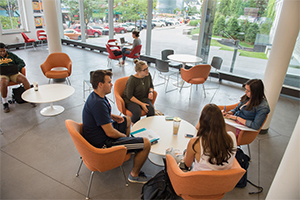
(9,70)
(122,40)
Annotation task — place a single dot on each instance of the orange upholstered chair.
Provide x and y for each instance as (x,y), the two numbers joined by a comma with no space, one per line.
(195,75)
(96,159)
(23,71)
(61,62)
(135,53)
(244,137)
(119,88)
(203,184)
(27,40)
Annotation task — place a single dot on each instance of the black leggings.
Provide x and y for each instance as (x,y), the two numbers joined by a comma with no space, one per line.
(136,110)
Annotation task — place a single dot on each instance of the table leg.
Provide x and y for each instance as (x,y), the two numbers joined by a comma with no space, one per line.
(52,110)
(156,159)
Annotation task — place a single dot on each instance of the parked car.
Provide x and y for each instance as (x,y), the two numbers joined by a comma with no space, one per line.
(72,34)
(129,28)
(144,23)
(158,23)
(105,31)
(168,23)
(135,25)
(173,21)
(90,30)
(118,29)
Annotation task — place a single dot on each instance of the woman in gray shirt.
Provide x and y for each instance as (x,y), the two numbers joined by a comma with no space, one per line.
(136,42)
(139,92)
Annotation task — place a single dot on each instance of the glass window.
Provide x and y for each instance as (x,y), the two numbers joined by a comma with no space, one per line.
(10,15)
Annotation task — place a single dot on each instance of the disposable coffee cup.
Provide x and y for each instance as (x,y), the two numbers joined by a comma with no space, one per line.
(176,124)
(35,86)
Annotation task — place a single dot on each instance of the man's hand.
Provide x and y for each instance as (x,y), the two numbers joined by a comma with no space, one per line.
(119,119)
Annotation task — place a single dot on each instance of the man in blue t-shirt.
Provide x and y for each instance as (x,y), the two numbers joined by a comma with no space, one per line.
(103,129)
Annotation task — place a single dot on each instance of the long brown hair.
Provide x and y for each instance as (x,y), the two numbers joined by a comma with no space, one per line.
(257,93)
(217,144)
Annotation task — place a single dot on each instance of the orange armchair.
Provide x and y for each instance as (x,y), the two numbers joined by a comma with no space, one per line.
(119,88)
(195,75)
(244,137)
(96,159)
(203,184)
(57,60)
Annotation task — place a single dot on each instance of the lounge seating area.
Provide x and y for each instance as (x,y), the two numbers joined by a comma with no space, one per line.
(39,159)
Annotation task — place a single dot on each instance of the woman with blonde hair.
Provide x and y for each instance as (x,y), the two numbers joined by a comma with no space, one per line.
(139,92)
(213,148)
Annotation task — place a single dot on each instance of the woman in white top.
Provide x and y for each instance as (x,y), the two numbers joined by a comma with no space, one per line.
(213,148)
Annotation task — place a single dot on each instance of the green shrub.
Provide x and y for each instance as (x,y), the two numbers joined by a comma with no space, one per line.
(194,22)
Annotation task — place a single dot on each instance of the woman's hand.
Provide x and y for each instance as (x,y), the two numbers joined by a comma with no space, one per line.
(229,116)
(150,95)
(144,107)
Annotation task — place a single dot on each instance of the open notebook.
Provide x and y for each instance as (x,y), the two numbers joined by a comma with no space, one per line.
(146,133)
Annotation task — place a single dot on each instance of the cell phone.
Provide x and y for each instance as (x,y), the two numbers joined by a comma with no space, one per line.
(188,135)
(169,118)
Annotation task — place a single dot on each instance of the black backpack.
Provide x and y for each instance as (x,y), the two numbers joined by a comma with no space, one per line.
(17,92)
(243,160)
(159,187)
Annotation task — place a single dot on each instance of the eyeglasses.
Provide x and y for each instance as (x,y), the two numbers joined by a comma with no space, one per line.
(145,69)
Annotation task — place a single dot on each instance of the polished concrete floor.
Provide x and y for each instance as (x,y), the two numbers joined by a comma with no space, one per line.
(39,159)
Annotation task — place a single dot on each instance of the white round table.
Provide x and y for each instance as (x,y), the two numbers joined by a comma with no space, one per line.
(165,131)
(49,94)
(184,58)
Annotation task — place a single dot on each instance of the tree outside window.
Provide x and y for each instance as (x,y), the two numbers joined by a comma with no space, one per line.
(9,14)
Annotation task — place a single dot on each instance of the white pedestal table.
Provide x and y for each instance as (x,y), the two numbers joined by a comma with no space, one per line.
(48,94)
(165,131)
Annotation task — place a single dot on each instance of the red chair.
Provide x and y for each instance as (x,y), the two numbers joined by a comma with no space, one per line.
(27,40)
(111,55)
(135,53)
(113,46)
(41,35)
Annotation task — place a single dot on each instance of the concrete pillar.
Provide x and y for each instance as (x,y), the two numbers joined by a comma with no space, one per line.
(282,49)
(111,18)
(286,183)
(149,27)
(52,24)
(82,23)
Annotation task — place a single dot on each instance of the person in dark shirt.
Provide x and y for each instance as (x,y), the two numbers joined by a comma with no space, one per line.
(139,92)
(8,58)
(103,129)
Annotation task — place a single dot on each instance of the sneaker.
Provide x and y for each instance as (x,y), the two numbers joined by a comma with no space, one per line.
(5,108)
(141,178)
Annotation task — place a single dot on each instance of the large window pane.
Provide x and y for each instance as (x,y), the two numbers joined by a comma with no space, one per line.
(9,15)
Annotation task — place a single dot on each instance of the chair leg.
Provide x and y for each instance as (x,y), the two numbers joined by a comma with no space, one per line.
(126,182)
(249,151)
(49,81)
(77,174)
(204,90)
(90,183)
(68,80)
(191,91)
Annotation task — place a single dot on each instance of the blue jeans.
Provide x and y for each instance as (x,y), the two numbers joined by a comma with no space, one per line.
(125,51)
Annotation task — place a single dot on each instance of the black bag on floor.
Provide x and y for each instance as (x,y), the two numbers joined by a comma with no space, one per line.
(117,53)
(243,160)
(159,187)
(17,92)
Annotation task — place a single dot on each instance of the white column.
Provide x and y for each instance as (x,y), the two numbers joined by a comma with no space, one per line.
(286,183)
(52,24)
(282,49)
(82,23)
(149,27)
(111,18)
